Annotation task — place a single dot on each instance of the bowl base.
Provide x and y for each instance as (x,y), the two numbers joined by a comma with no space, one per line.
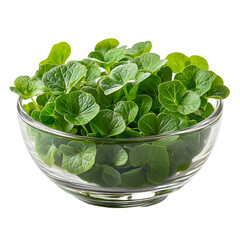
(118,201)
(121,204)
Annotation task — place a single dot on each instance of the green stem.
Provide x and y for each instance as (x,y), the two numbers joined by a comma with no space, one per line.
(35,104)
(108,70)
(85,129)
(126,92)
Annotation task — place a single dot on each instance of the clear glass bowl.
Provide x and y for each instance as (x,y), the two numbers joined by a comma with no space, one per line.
(123,172)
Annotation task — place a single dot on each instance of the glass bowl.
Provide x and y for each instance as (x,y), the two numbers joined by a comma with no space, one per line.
(123,172)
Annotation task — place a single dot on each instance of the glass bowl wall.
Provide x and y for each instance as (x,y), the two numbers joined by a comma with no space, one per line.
(120,172)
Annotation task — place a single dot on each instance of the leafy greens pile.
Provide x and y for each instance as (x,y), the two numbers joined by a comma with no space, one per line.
(120,92)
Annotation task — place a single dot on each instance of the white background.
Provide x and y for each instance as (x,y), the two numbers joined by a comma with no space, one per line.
(31,206)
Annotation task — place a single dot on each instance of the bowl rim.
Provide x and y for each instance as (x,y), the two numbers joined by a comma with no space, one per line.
(203,124)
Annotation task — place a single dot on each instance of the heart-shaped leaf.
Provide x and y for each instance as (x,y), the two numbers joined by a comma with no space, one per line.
(174,97)
(111,155)
(29,108)
(150,124)
(154,159)
(144,103)
(149,62)
(27,87)
(140,78)
(195,79)
(62,78)
(189,103)
(45,148)
(127,109)
(58,55)
(118,78)
(43,69)
(108,123)
(199,62)
(182,118)
(150,86)
(106,45)
(45,98)
(134,178)
(77,107)
(165,74)
(51,118)
(179,158)
(114,55)
(78,157)
(139,48)
(102,175)
(170,94)
(128,133)
(93,72)
(217,90)
(177,61)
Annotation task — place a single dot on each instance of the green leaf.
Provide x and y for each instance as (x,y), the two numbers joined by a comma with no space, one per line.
(219,92)
(165,141)
(170,94)
(150,124)
(199,62)
(189,103)
(111,155)
(144,103)
(128,133)
(108,123)
(106,101)
(118,78)
(208,110)
(177,61)
(192,123)
(62,78)
(58,55)
(154,159)
(195,79)
(128,110)
(179,158)
(91,90)
(45,148)
(51,118)
(156,106)
(106,45)
(182,118)
(36,115)
(140,77)
(139,48)
(97,55)
(27,87)
(43,69)
(149,62)
(78,157)
(87,62)
(174,97)
(165,74)
(102,175)
(216,80)
(45,98)
(134,178)
(93,72)
(114,55)
(150,86)
(29,108)
(77,107)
